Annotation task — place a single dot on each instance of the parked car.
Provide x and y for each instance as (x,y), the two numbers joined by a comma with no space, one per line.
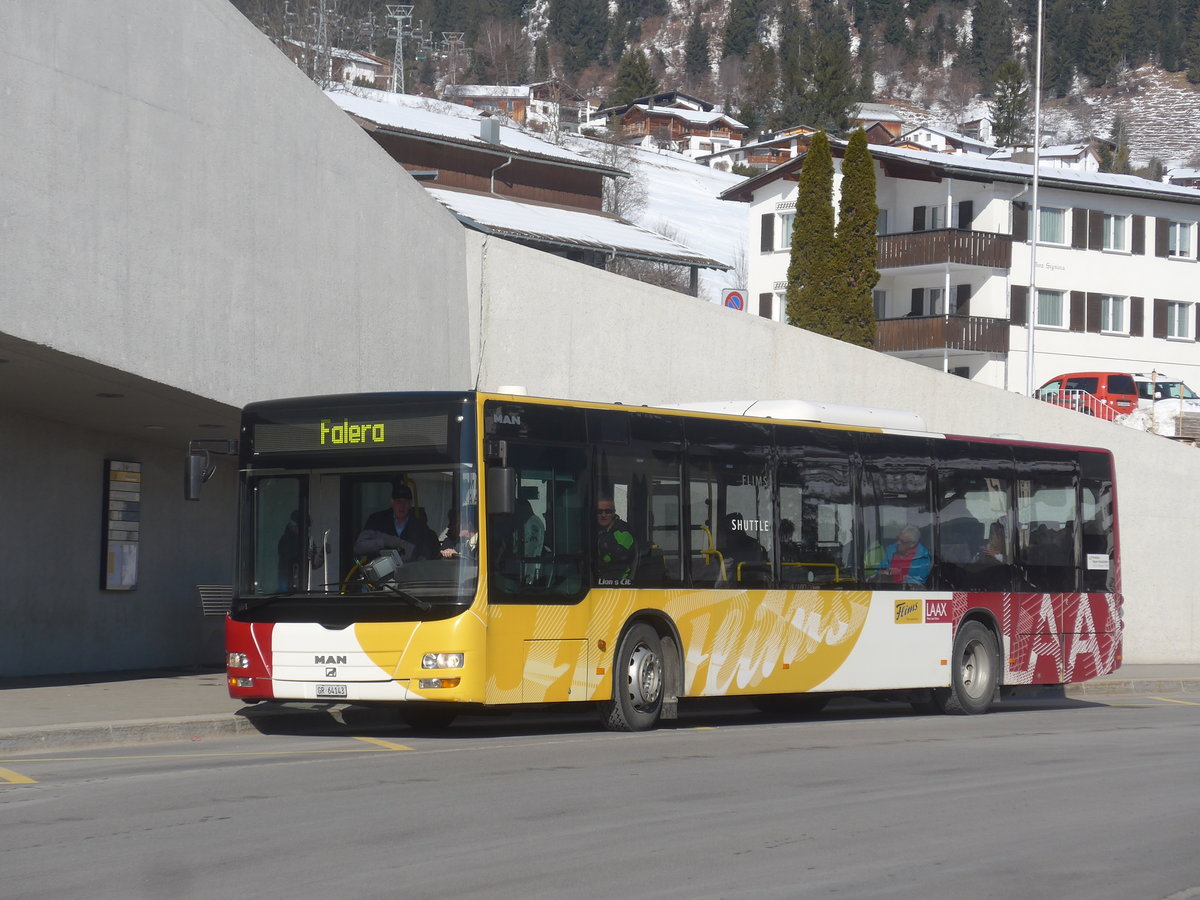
(1103,394)
(1151,402)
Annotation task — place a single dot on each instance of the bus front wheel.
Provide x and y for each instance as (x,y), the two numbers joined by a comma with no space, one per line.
(637,681)
(975,675)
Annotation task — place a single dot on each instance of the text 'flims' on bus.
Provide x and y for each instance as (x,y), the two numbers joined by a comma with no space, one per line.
(446,552)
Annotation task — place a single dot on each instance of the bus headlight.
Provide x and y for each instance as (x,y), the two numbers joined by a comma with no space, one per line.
(237,660)
(431,683)
(442,661)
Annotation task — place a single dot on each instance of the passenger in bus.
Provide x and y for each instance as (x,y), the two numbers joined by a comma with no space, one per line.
(736,544)
(465,543)
(397,528)
(994,550)
(531,531)
(789,550)
(616,548)
(907,561)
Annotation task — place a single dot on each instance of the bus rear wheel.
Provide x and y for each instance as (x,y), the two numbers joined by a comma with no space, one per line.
(975,673)
(637,682)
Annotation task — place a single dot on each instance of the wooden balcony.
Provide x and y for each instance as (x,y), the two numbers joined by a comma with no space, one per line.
(971,333)
(948,245)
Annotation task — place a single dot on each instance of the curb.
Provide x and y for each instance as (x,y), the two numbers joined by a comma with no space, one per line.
(1113,686)
(293,720)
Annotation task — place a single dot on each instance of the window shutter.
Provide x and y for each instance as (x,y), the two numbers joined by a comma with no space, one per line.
(1160,318)
(1018,305)
(768,233)
(1093,312)
(966,213)
(918,218)
(918,302)
(962,299)
(1020,228)
(1095,230)
(1137,243)
(1137,316)
(1085,311)
(765,306)
(1079,222)
(1160,237)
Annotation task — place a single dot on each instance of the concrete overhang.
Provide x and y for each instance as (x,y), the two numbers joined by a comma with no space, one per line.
(45,383)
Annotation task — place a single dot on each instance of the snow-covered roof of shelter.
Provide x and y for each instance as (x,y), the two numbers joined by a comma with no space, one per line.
(514,219)
(452,123)
(691,116)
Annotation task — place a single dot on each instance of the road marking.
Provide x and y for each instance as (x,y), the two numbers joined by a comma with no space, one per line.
(1180,702)
(8,776)
(387,745)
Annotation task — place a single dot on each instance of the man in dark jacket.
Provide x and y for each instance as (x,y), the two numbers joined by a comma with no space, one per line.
(397,529)
(616,549)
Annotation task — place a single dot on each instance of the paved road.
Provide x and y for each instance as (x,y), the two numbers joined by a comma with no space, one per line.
(1073,798)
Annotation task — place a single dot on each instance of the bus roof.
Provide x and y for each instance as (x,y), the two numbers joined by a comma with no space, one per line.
(811,411)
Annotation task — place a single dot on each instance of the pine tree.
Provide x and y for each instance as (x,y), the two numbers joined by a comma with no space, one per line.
(696,62)
(858,214)
(812,268)
(634,79)
(1010,105)
(828,82)
(741,28)
(991,40)
(582,27)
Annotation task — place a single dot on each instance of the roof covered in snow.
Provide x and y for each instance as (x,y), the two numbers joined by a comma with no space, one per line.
(540,224)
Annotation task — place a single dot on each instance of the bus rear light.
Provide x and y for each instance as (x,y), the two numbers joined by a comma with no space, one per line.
(237,661)
(241,682)
(430,683)
(442,661)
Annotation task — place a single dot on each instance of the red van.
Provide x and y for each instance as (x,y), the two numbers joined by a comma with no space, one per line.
(1103,394)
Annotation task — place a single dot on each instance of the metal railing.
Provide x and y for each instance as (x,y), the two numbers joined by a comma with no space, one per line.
(1081,401)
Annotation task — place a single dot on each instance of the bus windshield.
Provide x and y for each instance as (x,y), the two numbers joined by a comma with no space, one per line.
(328,517)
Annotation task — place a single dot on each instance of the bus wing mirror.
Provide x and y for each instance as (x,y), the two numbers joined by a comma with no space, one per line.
(198,467)
(501,490)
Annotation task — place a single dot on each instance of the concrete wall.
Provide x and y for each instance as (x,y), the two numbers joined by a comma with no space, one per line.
(599,337)
(192,209)
(56,618)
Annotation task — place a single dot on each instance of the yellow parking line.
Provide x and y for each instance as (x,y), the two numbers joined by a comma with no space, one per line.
(8,776)
(387,745)
(1180,702)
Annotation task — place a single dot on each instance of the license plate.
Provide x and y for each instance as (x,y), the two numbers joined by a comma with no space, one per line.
(331,690)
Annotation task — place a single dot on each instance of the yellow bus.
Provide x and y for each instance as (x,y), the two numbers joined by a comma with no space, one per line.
(447,552)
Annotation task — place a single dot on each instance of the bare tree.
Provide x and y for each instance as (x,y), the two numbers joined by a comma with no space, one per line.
(624,197)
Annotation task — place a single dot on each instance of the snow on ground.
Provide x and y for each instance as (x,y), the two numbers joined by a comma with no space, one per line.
(681,202)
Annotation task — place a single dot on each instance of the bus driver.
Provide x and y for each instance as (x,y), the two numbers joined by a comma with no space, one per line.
(397,529)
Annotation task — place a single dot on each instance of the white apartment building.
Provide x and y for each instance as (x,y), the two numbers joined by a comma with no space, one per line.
(1118,284)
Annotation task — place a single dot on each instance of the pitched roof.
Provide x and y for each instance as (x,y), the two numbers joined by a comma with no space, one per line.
(691,116)
(453,124)
(979,168)
(546,225)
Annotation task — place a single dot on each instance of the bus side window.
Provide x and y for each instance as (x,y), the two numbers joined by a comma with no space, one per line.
(816,510)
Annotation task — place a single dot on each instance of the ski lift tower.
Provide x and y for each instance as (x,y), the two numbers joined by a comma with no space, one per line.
(402,14)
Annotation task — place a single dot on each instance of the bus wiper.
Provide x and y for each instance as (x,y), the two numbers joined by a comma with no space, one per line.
(396,591)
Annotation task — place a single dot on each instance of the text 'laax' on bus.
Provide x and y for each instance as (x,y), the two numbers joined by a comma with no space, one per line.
(449,552)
